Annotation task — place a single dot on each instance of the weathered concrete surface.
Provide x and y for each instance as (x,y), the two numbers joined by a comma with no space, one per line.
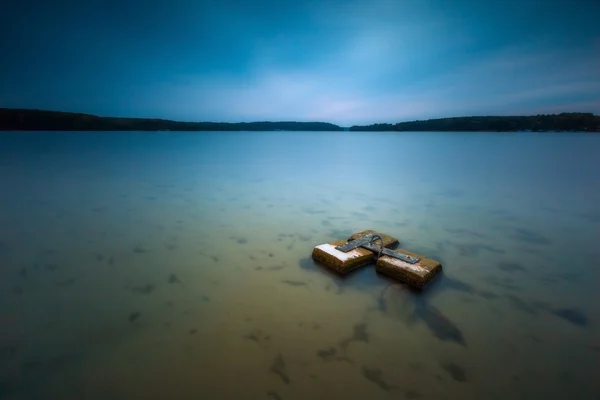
(339,261)
(342,262)
(417,275)
(388,241)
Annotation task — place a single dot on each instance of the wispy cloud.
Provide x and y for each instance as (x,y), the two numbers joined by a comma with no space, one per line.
(506,81)
(348,62)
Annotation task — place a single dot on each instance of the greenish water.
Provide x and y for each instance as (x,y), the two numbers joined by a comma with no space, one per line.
(177,265)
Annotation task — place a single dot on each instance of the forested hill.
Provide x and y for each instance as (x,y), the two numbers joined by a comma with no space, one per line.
(39,120)
(31,120)
(535,123)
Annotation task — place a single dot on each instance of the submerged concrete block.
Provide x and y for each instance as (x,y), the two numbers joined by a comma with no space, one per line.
(342,262)
(388,241)
(417,275)
(339,261)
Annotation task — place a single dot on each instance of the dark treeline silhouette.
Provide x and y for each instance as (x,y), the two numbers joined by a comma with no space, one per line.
(535,123)
(39,120)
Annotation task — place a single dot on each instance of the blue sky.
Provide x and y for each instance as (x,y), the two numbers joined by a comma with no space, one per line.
(346,62)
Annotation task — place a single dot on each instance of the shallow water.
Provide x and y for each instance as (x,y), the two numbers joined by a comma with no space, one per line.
(177,265)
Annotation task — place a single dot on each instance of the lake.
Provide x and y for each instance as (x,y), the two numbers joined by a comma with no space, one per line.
(175,265)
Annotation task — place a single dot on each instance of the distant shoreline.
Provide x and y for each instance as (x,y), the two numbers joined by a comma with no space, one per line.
(564,122)
(42,120)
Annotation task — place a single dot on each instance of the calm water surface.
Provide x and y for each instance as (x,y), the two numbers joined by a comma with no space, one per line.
(177,266)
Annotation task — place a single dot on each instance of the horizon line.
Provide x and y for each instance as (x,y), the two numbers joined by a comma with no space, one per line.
(293,121)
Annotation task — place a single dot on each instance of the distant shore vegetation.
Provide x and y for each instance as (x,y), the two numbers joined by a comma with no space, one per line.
(41,120)
(535,123)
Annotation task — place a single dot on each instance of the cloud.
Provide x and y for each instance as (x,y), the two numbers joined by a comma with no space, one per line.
(344,61)
(506,82)
(388,72)
(355,62)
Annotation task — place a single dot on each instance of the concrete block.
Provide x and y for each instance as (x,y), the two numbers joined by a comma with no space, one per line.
(417,275)
(342,262)
(339,261)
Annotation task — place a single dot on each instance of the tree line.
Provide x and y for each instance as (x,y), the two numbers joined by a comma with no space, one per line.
(535,123)
(24,119)
(40,120)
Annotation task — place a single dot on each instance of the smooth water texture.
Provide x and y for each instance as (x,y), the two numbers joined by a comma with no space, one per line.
(177,265)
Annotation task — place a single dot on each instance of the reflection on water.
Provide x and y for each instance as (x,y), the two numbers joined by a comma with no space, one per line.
(178,266)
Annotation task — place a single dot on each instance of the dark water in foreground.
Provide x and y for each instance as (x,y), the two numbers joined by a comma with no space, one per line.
(177,266)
